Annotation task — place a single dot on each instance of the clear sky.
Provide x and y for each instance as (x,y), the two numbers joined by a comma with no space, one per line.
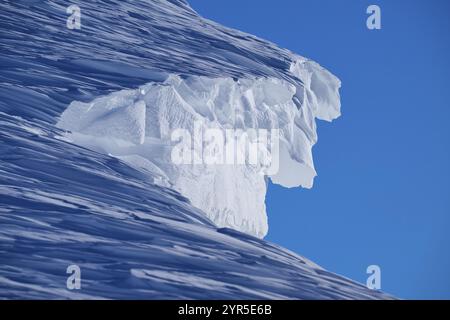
(382,195)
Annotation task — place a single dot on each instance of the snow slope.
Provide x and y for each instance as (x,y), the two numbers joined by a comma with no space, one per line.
(63,205)
(118,213)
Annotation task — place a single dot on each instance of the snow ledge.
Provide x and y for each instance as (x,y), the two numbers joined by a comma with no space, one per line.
(136,126)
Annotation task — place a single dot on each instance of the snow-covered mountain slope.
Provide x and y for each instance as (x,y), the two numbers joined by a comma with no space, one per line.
(63,205)
(134,72)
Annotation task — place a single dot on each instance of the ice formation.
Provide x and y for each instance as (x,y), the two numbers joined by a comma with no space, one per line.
(137,125)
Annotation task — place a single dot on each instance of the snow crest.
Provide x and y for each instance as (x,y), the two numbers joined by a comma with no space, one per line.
(137,125)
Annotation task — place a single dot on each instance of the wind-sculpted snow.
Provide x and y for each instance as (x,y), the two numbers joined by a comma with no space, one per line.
(132,239)
(138,126)
(117,214)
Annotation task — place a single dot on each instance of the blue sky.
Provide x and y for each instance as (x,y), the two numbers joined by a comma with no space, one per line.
(382,195)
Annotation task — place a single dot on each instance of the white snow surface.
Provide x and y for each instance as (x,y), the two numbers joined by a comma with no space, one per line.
(118,218)
(136,126)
